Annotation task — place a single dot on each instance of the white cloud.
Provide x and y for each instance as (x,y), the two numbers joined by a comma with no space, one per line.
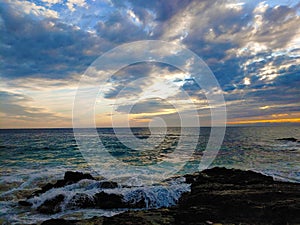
(33,9)
(52,2)
(134,18)
(71,4)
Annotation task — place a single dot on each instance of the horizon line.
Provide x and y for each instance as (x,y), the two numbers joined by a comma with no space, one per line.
(227,125)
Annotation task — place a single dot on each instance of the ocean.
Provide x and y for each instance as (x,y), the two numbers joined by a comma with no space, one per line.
(31,158)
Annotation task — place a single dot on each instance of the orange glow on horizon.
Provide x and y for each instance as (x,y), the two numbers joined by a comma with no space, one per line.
(283,120)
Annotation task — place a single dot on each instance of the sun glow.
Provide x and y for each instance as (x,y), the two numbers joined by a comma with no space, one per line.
(283,120)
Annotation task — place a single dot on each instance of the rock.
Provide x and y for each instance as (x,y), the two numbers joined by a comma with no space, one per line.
(150,217)
(235,196)
(287,139)
(218,195)
(81,200)
(57,222)
(51,206)
(69,178)
(230,176)
(109,201)
(73,177)
(25,203)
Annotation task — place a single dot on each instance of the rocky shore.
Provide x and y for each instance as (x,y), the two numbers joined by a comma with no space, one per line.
(218,196)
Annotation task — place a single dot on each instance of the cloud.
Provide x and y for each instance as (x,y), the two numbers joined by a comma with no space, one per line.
(137,79)
(252,48)
(121,28)
(72,4)
(151,105)
(129,81)
(16,111)
(45,48)
(52,2)
(30,8)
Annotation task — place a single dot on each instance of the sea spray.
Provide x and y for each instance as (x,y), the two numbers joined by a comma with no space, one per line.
(155,196)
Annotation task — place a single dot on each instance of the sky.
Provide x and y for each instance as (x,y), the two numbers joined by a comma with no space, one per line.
(251,47)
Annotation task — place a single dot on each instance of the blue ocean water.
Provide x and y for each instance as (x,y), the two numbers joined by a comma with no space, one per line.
(30,158)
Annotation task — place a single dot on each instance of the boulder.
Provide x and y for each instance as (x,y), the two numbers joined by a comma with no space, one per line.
(69,178)
(51,206)
(73,177)
(81,200)
(109,201)
(25,203)
(287,139)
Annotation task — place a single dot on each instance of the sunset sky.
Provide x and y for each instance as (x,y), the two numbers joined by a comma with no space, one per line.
(251,47)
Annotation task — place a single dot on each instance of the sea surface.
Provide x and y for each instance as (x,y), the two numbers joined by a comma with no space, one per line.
(30,158)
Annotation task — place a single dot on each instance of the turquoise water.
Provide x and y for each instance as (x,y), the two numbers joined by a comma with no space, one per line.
(30,158)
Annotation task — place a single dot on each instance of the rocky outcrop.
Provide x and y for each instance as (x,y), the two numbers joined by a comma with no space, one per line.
(81,200)
(234,196)
(109,201)
(51,206)
(100,200)
(218,195)
(69,178)
(292,139)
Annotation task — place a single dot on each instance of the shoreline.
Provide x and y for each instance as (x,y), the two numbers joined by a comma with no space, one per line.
(217,195)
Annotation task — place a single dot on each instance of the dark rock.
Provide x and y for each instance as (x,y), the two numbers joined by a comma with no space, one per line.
(25,203)
(235,196)
(81,200)
(57,222)
(231,176)
(73,177)
(218,195)
(69,178)
(150,217)
(287,139)
(51,206)
(109,201)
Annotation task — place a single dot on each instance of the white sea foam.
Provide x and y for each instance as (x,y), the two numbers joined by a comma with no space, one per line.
(154,196)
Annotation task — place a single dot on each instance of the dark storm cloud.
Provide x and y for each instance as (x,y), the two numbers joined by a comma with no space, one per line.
(120,29)
(164,10)
(44,48)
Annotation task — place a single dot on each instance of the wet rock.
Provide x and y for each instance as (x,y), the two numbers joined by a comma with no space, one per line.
(229,176)
(69,178)
(51,206)
(81,200)
(109,201)
(25,203)
(218,195)
(58,222)
(73,177)
(287,139)
(234,196)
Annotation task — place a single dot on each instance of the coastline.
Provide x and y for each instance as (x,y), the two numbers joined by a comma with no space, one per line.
(217,196)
